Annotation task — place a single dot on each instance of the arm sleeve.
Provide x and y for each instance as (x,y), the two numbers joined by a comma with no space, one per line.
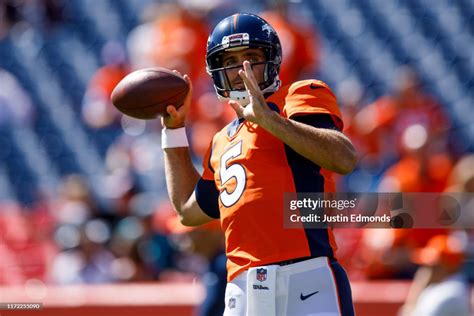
(207,195)
(318,120)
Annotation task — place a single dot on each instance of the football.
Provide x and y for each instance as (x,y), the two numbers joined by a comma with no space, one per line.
(145,94)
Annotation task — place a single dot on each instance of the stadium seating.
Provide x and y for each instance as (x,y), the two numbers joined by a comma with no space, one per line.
(366,40)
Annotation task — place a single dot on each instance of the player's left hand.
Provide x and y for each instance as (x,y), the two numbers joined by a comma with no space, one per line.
(257,109)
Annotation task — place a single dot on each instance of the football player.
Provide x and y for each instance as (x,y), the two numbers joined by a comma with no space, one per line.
(284,139)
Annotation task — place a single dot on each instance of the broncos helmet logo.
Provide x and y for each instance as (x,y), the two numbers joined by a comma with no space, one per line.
(268,28)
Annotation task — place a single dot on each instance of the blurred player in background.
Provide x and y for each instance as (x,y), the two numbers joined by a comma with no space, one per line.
(439,286)
(206,244)
(285,139)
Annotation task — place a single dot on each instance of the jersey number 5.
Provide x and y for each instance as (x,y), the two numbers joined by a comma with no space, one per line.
(235,171)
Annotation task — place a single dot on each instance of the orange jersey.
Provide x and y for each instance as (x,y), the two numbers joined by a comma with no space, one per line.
(251,170)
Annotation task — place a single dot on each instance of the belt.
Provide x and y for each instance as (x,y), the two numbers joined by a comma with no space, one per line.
(291,261)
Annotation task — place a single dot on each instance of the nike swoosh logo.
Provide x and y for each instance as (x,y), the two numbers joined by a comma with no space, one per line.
(314,86)
(305,297)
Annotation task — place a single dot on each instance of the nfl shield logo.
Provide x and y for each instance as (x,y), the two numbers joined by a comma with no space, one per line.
(261,274)
(232,302)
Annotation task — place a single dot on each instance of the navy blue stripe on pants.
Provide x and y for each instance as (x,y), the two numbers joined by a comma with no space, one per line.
(343,288)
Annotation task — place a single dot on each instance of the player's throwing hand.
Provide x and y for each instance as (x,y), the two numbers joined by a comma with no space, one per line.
(176,117)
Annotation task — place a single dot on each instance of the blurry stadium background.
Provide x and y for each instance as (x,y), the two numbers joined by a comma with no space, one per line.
(82,190)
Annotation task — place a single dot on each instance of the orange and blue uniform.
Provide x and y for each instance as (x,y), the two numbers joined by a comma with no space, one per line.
(247,171)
